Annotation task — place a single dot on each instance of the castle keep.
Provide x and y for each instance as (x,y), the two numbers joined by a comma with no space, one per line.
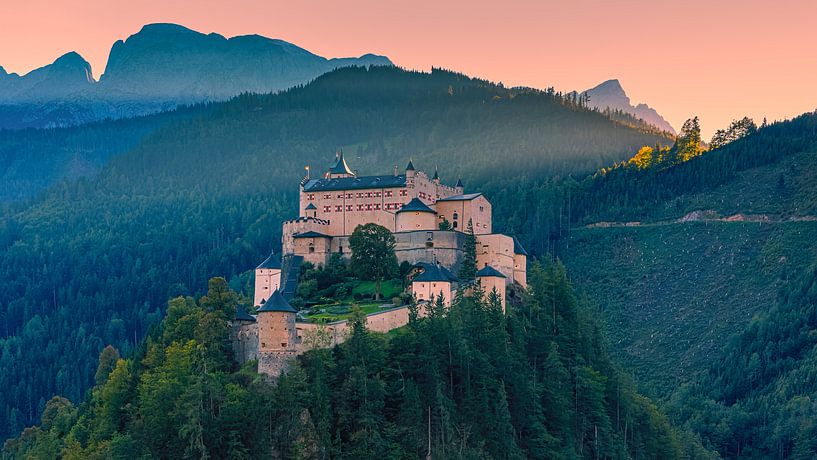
(412,206)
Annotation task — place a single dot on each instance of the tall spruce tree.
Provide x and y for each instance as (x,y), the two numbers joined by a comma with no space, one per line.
(468,269)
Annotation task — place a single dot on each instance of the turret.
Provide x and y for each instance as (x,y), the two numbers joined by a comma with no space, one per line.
(410,171)
(311,210)
(415,215)
(490,278)
(277,335)
(436,178)
(459,187)
(520,264)
(339,169)
(267,278)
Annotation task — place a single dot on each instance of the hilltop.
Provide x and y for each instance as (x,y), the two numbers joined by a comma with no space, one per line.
(205,195)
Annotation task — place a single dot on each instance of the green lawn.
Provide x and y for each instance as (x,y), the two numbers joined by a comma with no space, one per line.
(389,289)
(367,308)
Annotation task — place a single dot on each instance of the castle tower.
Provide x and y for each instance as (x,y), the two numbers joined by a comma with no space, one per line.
(415,215)
(339,169)
(490,278)
(459,187)
(277,336)
(267,279)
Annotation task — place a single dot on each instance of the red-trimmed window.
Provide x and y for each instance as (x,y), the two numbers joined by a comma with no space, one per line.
(338,208)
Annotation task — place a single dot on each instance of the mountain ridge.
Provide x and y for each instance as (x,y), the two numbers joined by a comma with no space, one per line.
(159,67)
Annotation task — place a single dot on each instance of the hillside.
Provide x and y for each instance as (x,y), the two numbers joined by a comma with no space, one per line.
(701,272)
(159,68)
(92,262)
(422,390)
(610,95)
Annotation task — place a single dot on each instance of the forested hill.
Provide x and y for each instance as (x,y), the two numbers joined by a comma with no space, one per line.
(92,262)
(469,381)
(703,271)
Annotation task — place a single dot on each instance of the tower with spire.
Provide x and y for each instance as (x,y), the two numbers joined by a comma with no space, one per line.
(267,278)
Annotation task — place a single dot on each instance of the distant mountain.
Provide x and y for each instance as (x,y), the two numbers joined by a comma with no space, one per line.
(160,67)
(611,95)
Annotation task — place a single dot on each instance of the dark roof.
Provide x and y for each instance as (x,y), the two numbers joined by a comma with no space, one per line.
(352,183)
(277,302)
(434,272)
(340,166)
(459,183)
(272,261)
(489,271)
(436,176)
(242,315)
(310,207)
(410,166)
(416,205)
(311,234)
(466,197)
(517,247)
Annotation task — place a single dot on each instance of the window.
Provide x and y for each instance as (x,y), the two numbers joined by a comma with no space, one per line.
(388,193)
(339,208)
(340,195)
(454,225)
(283,344)
(456,216)
(481,209)
(310,197)
(360,207)
(360,194)
(377,207)
(327,209)
(327,196)
(403,192)
(429,236)
(348,207)
(368,194)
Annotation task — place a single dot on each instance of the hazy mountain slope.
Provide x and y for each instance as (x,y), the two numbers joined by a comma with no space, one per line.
(93,262)
(611,95)
(156,69)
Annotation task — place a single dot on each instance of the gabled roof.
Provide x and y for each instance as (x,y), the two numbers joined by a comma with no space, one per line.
(352,183)
(466,197)
(272,261)
(489,271)
(340,166)
(416,205)
(311,234)
(311,207)
(434,272)
(410,166)
(517,247)
(242,315)
(277,302)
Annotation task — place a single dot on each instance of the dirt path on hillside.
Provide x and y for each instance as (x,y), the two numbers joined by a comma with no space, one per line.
(707,216)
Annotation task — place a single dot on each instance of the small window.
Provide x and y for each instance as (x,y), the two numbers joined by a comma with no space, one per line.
(456,216)
(283,345)
(454,225)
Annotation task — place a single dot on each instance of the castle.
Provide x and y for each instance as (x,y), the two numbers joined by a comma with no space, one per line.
(428,220)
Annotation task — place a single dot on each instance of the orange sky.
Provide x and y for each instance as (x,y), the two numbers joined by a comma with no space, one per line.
(719,59)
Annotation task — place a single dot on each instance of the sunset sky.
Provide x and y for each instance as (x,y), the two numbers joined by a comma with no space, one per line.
(716,59)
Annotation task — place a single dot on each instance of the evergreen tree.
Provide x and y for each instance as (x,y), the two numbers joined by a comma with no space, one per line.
(468,268)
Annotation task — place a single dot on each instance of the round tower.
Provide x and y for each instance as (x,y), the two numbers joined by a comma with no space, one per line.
(277,336)
(415,215)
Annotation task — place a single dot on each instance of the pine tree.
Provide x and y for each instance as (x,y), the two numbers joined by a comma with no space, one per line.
(468,268)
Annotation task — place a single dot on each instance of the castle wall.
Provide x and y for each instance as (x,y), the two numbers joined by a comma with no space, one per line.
(520,269)
(415,220)
(431,290)
(346,209)
(478,210)
(496,250)
(244,337)
(441,246)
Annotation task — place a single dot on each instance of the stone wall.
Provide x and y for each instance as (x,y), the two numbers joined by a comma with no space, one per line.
(496,250)
(244,338)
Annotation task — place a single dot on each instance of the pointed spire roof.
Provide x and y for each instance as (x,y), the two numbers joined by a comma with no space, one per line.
(489,271)
(340,166)
(518,248)
(459,183)
(410,166)
(272,261)
(416,205)
(277,302)
(242,315)
(436,175)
